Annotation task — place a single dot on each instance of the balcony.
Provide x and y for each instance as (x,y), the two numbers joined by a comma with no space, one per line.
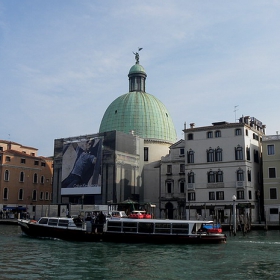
(216,185)
(190,186)
(240,184)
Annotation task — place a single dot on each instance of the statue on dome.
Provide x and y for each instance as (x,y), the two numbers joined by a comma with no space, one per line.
(137,55)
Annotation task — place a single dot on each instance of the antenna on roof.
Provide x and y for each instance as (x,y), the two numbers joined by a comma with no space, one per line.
(235,109)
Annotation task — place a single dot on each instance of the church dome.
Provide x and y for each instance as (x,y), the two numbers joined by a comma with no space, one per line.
(139,112)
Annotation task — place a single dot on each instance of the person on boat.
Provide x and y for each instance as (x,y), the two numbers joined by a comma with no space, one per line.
(84,165)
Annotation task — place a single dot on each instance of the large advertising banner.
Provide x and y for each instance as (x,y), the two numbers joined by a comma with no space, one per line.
(81,167)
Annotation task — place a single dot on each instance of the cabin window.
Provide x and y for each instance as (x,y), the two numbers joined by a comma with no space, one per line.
(162,228)
(63,223)
(43,221)
(180,228)
(115,226)
(146,227)
(129,227)
(52,222)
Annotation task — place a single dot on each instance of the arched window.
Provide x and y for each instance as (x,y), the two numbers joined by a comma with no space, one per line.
(7,175)
(211,177)
(190,177)
(209,134)
(190,156)
(169,186)
(219,176)
(20,194)
(21,176)
(34,195)
(5,194)
(35,178)
(47,196)
(42,179)
(219,154)
(210,155)
(182,186)
(240,175)
(238,153)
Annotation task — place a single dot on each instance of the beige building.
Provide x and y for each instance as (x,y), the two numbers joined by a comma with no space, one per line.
(271,177)
(223,160)
(25,178)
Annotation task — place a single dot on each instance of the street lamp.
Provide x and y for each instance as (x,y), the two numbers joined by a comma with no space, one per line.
(234,214)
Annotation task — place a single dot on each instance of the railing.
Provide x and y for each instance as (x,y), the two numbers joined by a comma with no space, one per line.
(240,184)
(190,186)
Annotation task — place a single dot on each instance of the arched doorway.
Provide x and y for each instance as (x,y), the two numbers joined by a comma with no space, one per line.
(169,210)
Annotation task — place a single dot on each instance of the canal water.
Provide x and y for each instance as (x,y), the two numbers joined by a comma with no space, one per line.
(253,256)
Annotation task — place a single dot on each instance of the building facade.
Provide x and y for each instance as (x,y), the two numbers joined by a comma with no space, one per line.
(25,178)
(271,178)
(222,161)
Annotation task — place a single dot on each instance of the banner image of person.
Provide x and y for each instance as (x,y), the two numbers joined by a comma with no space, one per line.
(81,167)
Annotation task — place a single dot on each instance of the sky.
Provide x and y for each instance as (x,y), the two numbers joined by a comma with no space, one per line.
(63,62)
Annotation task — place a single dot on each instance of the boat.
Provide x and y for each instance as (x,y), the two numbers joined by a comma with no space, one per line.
(161,231)
(123,230)
(71,229)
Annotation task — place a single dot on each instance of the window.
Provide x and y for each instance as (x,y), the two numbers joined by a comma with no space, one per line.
(35,178)
(211,177)
(42,179)
(250,194)
(219,195)
(21,176)
(219,176)
(270,149)
(169,187)
(238,132)
(7,175)
(34,195)
(273,211)
(41,195)
(22,160)
(146,154)
(190,177)
(238,153)
(210,155)
(211,195)
(36,162)
(209,134)
(169,169)
(20,194)
(246,132)
(190,156)
(248,153)
(191,196)
(256,156)
(190,136)
(273,193)
(5,194)
(8,158)
(218,154)
(240,175)
(43,164)
(182,186)
(240,194)
(182,168)
(182,152)
(271,172)
(218,134)
(249,175)
(47,196)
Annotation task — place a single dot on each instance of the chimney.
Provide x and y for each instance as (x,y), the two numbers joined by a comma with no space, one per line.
(192,125)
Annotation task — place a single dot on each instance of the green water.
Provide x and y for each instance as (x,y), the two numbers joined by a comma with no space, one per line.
(254,256)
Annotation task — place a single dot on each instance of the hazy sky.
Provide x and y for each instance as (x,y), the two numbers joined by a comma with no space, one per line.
(63,62)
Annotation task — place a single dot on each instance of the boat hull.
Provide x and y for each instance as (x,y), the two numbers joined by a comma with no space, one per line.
(69,234)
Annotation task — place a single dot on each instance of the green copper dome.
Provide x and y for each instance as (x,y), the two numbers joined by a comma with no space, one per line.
(142,113)
(139,111)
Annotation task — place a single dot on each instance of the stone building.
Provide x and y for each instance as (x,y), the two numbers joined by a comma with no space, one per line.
(25,178)
(223,160)
(271,170)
